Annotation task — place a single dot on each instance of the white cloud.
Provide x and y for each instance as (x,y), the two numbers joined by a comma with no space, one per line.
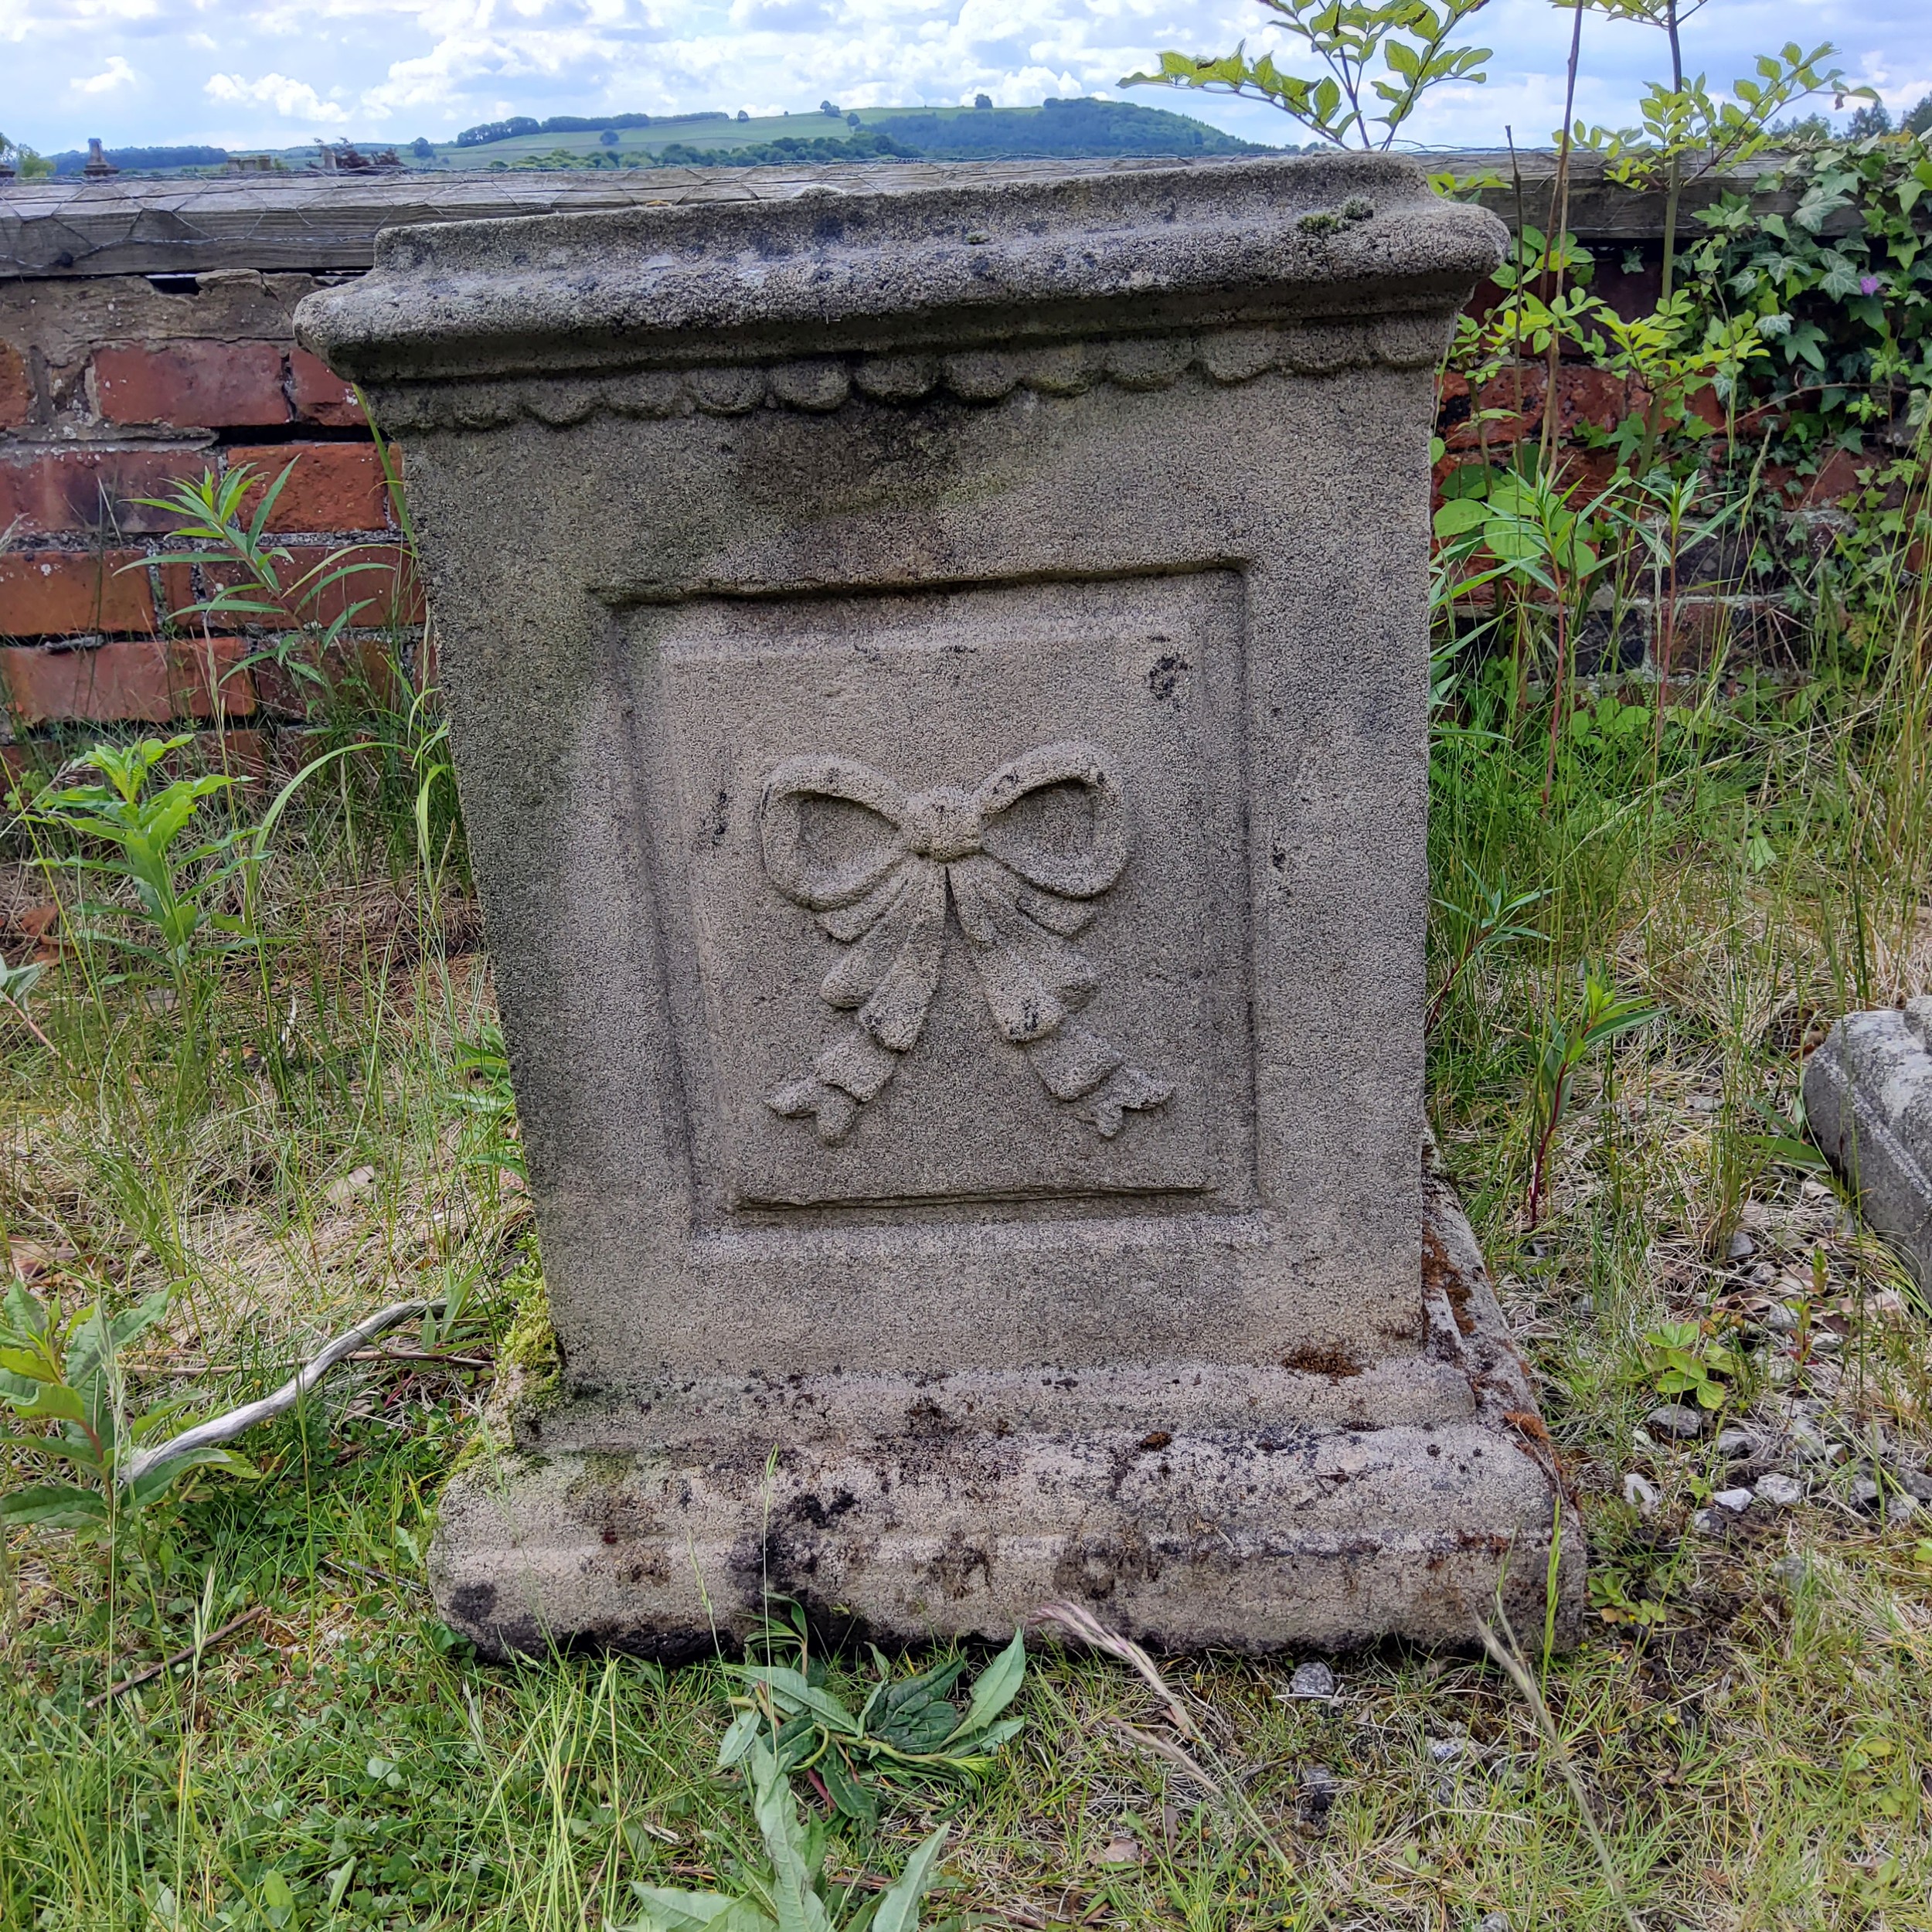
(116,73)
(782,16)
(293,100)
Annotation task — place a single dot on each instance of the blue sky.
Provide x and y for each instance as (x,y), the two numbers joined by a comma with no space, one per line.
(247,73)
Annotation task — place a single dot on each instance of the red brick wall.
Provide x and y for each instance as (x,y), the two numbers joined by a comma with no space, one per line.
(113,389)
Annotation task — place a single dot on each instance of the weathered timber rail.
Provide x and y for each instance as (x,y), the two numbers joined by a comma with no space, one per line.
(317,223)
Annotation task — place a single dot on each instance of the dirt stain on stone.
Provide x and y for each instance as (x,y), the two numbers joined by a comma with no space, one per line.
(1322,1358)
(1440,1276)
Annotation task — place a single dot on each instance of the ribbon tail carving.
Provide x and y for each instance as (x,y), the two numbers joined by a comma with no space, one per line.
(897,934)
(1034,981)
(1022,858)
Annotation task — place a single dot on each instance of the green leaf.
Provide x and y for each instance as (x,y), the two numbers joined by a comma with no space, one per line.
(1790,1152)
(996,1735)
(793,1897)
(277,1898)
(667,1909)
(737,1739)
(53,1401)
(28,1365)
(1459,513)
(1511,541)
(913,1716)
(995,1687)
(790,1688)
(94,1346)
(853,1796)
(157,1482)
(80,1453)
(898,1909)
(54,1505)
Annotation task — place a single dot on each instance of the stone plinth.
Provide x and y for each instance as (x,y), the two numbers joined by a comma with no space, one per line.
(1868,1100)
(938,680)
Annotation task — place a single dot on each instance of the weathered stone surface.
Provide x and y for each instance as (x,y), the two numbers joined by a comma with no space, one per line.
(947,783)
(1868,1100)
(941,1503)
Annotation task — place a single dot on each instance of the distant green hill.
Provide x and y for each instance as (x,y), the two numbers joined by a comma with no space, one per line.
(869,144)
(518,124)
(1070,129)
(1079,127)
(146,160)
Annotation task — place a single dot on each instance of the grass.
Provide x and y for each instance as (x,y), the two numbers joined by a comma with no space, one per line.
(1746,1716)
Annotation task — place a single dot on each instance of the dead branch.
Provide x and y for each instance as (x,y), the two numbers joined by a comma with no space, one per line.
(184,1655)
(225,1428)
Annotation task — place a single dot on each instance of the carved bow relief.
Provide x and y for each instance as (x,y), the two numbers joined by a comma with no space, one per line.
(1019,898)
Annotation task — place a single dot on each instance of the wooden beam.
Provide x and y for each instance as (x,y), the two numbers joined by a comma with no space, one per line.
(318,223)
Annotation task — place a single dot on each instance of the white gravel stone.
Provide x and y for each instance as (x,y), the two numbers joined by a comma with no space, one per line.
(1311,1680)
(1784,1492)
(1811,1443)
(1676,1420)
(1736,1500)
(1639,1493)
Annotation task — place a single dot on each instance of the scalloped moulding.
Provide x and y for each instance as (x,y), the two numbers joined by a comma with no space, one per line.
(938,679)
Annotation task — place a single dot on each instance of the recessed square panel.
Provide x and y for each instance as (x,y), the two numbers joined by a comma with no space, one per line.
(953,873)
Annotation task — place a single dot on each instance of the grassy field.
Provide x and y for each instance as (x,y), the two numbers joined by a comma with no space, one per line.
(641,147)
(288,1133)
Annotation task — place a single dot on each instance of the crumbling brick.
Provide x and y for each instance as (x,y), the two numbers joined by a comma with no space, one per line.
(321,395)
(50,492)
(147,680)
(200,385)
(16,387)
(51,594)
(334,486)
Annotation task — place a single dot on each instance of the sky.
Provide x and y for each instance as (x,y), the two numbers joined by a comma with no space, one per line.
(265,73)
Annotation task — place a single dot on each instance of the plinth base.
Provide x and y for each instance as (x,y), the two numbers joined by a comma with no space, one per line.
(1319,1505)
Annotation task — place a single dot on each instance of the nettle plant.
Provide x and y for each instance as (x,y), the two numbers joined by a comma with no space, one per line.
(63,1371)
(306,614)
(174,877)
